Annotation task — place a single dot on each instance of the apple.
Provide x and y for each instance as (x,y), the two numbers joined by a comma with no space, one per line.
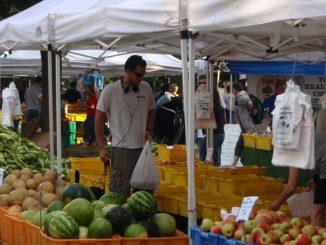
(256,232)
(321,230)
(296,222)
(303,239)
(275,226)
(279,232)
(228,229)
(264,225)
(231,219)
(249,225)
(218,223)
(294,232)
(273,235)
(252,214)
(290,243)
(285,226)
(247,239)
(323,242)
(261,217)
(206,225)
(309,230)
(216,229)
(263,239)
(316,239)
(238,234)
(285,238)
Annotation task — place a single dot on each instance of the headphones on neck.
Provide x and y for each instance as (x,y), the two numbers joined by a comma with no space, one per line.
(126,89)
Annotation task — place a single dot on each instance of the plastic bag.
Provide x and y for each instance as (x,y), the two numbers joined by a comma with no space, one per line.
(297,201)
(145,175)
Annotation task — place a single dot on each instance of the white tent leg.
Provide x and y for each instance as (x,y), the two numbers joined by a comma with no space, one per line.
(58,112)
(190,149)
(50,89)
(231,107)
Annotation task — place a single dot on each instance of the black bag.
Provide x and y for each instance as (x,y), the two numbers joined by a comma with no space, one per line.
(257,113)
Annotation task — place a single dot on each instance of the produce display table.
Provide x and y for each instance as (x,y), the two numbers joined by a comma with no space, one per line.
(252,156)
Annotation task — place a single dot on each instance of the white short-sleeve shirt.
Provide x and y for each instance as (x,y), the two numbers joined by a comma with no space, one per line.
(127,113)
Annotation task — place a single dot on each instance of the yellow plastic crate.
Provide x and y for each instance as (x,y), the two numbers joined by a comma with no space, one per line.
(257,170)
(89,180)
(177,153)
(250,186)
(89,166)
(80,117)
(79,140)
(249,140)
(264,143)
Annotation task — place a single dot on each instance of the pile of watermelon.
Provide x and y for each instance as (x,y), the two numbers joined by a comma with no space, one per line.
(79,215)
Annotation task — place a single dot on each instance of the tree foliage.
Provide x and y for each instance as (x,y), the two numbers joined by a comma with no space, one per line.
(11,7)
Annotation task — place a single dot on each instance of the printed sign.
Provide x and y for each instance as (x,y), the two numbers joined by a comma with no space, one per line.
(247,205)
(2,171)
(232,132)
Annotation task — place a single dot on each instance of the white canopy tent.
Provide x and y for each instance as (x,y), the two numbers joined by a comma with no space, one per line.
(223,26)
(28,62)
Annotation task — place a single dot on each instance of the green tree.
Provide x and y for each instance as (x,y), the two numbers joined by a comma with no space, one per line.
(11,7)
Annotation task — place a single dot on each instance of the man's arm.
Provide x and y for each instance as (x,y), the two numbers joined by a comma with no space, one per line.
(100,118)
(150,124)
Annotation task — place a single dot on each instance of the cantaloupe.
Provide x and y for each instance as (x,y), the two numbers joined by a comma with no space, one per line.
(16,172)
(16,197)
(31,184)
(4,200)
(27,171)
(5,188)
(25,177)
(38,177)
(30,203)
(19,184)
(32,193)
(48,198)
(46,186)
(50,175)
(10,179)
(15,209)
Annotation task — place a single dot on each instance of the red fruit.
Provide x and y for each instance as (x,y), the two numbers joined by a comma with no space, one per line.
(303,239)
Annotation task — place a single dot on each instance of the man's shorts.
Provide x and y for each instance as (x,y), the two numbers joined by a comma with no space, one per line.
(320,191)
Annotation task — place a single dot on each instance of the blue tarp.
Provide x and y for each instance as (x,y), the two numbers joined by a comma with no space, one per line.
(276,68)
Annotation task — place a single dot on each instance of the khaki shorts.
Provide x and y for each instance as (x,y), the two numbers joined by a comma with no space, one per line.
(123,164)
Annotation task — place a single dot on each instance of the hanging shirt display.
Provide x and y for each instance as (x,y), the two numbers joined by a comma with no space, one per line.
(293,129)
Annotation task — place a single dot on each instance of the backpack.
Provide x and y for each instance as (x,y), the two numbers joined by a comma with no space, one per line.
(257,107)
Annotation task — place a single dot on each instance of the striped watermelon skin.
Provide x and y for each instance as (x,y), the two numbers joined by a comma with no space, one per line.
(113,198)
(48,218)
(63,227)
(142,204)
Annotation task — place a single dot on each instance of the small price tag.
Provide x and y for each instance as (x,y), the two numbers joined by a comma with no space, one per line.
(2,172)
(247,205)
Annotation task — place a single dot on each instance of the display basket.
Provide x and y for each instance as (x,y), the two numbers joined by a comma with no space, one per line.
(264,143)
(249,140)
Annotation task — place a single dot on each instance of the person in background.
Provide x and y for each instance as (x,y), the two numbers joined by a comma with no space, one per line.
(243,107)
(226,98)
(269,103)
(33,99)
(168,109)
(218,133)
(130,106)
(164,87)
(72,95)
(89,124)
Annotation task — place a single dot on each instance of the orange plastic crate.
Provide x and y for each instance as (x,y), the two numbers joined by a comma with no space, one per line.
(14,230)
(179,239)
(3,212)
(33,234)
(46,240)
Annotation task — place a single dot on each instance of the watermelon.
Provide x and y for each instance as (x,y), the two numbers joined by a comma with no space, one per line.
(63,226)
(39,218)
(56,205)
(48,218)
(119,219)
(142,204)
(81,210)
(98,204)
(151,227)
(100,228)
(73,191)
(91,193)
(165,222)
(83,232)
(113,198)
(28,215)
(107,208)
(98,214)
(135,231)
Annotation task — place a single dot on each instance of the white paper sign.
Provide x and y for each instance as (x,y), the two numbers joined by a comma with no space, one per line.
(232,132)
(247,205)
(2,171)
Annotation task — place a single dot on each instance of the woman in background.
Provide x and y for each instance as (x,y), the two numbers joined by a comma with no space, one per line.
(89,124)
